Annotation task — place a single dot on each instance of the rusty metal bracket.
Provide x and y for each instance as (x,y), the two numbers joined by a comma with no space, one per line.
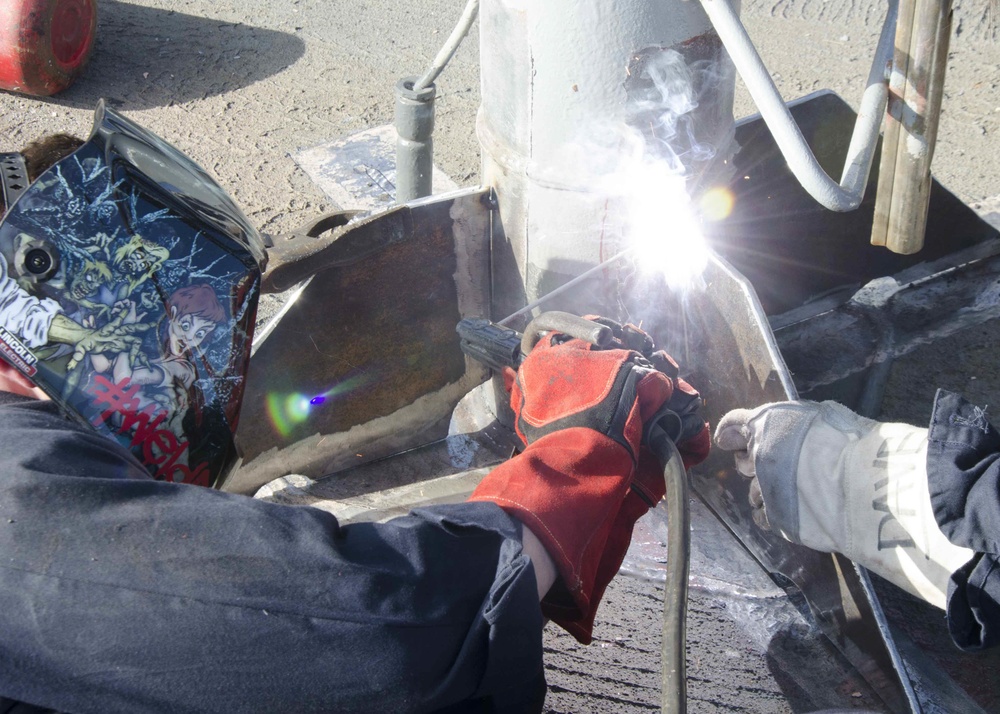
(308,251)
(365,360)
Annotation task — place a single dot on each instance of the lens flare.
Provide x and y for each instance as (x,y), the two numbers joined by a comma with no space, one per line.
(716,204)
(286,411)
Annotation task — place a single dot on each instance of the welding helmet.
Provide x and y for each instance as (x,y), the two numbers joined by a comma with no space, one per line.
(128,292)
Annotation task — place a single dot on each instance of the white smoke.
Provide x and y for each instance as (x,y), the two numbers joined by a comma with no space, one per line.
(649,162)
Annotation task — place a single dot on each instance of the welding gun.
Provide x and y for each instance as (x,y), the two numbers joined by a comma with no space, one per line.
(496,347)
(490,344)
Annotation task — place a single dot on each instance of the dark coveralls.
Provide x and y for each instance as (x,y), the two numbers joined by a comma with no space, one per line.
(123,594)
(963,470)
(118,593)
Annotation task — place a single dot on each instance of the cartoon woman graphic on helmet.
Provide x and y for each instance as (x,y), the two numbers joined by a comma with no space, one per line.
(166,382)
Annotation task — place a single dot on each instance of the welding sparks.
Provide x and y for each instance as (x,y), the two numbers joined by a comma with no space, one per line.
(638,167)
(661,148)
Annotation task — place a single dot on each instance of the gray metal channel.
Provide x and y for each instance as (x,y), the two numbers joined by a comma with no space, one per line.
(804,632)
(842,311)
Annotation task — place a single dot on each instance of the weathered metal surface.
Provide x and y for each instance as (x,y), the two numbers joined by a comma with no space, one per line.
(793,250)
(888,318)
(303,253)
(738,365)
(366,361)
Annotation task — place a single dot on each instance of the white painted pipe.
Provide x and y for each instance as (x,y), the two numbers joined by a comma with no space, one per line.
(846,195)
(555,78)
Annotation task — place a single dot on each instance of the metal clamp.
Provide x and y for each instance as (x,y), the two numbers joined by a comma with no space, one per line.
(14,175)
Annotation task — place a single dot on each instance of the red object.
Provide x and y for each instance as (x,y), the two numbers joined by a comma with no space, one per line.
(44,44)
(648,487)
(584,478)
(580,411)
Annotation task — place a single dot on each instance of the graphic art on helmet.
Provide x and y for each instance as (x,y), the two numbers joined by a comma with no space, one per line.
(128,292)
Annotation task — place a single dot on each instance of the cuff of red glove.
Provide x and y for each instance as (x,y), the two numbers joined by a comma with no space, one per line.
(567,487)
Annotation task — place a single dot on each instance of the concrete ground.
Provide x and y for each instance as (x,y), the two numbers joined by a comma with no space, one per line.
(240,85)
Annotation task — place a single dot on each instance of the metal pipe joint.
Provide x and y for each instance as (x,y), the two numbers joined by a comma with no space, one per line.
(414,145)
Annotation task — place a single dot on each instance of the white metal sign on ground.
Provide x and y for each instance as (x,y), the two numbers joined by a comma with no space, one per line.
(358,171)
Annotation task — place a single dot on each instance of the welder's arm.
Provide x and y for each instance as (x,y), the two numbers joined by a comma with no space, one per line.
(837,482)
(105,570)
(541,561)
(584,478)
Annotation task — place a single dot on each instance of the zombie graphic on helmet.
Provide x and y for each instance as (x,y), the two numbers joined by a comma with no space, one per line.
(128,291)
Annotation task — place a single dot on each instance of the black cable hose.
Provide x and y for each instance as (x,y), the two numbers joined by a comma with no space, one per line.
(674,646)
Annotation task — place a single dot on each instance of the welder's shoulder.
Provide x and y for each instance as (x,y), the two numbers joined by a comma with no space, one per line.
(963,476)
(38,439)
(963,472)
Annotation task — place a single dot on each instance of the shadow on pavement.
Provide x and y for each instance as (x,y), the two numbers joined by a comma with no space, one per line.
(146,57)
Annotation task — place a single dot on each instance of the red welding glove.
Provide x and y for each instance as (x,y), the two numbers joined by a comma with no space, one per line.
(693,438)
(580,412)
(647,487)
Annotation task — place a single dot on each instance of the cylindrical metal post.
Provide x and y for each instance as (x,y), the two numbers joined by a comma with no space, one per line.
(559,78)
(414,145)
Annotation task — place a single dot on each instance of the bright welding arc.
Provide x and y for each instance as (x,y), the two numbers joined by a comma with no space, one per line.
(661,226)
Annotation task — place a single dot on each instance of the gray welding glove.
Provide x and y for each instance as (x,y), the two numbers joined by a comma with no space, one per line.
(834,481)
